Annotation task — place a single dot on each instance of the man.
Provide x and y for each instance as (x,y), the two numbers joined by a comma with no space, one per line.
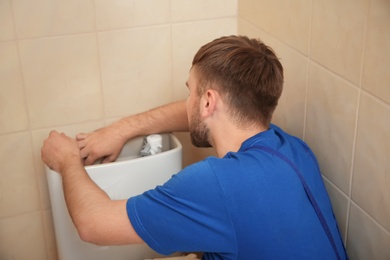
(262,198)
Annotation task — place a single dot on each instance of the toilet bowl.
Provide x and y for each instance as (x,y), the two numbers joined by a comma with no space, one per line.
(130,175)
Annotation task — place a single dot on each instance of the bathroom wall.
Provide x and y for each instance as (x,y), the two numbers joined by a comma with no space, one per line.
(76,66)
(337,97)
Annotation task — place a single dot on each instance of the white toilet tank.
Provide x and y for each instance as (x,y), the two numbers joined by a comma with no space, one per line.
(130,175)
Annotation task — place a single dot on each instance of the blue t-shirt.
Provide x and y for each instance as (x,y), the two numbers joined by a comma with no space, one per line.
(250,204)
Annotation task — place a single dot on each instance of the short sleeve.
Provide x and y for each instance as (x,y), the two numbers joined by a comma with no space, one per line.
(187,213)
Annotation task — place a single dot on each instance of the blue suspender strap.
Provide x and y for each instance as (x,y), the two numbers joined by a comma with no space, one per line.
(308,192)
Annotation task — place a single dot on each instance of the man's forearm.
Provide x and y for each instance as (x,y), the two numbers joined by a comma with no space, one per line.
(82,196)
(168,118)
(97,218)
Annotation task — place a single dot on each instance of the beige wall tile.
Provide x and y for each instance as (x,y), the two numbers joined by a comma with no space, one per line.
(187,10)
(62,80)
(290,112)
(338,35)
(13,113)
(53,17)
(287,20)
(22,237)
(248,29)
(376,76)
(366,239)
(187,38)
(6,23)
(291,108)
(19,190)
(123,13)
(48,226)
(330,123)
(136,69)
(340,206)
(371,180)
(38,137)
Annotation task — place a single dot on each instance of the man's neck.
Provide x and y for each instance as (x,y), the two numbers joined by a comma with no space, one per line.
(230,139)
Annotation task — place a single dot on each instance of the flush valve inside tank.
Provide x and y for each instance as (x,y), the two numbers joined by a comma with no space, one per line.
(152,145)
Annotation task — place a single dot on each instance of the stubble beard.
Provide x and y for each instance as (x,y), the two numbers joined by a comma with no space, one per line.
(199,132)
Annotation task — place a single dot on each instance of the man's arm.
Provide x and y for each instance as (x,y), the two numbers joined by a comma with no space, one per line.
(97,218)
(107,142)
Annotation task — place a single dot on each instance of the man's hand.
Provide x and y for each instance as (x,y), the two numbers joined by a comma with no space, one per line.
(105,143)
(59,151)
(97,218)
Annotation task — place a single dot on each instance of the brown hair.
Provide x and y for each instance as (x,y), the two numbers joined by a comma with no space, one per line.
(247,74)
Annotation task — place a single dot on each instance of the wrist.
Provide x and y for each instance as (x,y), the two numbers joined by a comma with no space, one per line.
(127,128)
(70,165)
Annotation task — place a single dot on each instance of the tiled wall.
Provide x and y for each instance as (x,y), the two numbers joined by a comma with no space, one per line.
(337,97)
(75,66)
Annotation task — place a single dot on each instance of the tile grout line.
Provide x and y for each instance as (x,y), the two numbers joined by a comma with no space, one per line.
(29,130)
(173,84)
(120,28)
(350,201)
(371,218)
(96,32)
(308,60)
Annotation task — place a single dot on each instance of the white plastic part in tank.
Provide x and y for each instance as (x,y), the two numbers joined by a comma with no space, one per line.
(130,175)
(153,145)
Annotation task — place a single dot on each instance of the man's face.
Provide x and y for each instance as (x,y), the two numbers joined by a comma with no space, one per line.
(199,131)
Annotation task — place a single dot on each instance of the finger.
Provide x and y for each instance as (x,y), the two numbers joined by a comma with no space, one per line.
(81,136)
(89,160)
(81,144)
(83,153)
(109,159)
(53,133)
(59,134)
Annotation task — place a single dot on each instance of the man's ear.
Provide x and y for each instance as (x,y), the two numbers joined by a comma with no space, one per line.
(209,102)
